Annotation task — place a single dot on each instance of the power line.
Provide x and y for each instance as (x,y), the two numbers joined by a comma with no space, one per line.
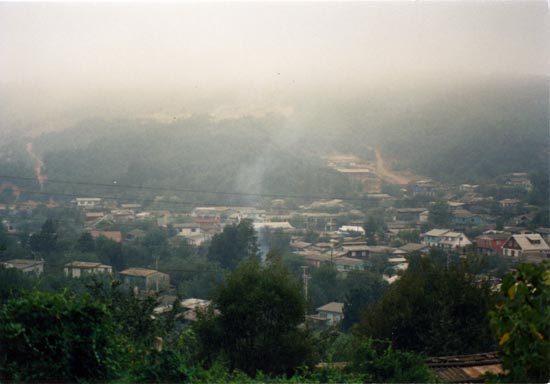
(64,194)
(186,190)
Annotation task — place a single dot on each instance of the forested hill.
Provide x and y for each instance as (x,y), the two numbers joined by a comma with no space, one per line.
(475,132)
(459,131)
(251,155)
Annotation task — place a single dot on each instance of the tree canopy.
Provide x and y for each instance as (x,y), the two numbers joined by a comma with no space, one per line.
(434,309)
(256,328)
(236,243)
(522,323)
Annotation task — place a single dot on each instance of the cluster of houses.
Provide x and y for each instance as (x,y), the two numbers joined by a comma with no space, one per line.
(339,226)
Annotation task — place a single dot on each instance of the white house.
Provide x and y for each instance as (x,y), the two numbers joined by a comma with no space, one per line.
(445,238)
(88,202)
(79,268)
(351,228)
(35,267)
(454,240)
(526,245)
(333,312)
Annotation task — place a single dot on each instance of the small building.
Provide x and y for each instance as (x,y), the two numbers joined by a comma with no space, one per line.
(454,240)
(424,188)
(491,243)
(88,202)
(136,234)
(123,215)
(463,218)
(409,214)
(446,239)
(80,268)
(33,267)
(94,216)
(519,180)
(316,258)
(468,188)
(509,203)
(527,246)
(184,229)
(144,279)
(112,235)
(333,313)
(409,248)
(209,226)
(358,250)
(433,237)
(348,229)
(300,245)
(345,264)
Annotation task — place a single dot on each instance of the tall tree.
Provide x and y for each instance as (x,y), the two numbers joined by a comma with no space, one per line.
(434,309)
(439,214)
(363,289)
(256,328)
(46,240)
(236,243)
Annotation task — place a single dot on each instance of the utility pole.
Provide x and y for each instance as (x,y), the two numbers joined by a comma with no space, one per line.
(305,278)
(156,269)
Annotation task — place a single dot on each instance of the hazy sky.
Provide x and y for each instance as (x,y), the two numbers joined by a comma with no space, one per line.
(171,45)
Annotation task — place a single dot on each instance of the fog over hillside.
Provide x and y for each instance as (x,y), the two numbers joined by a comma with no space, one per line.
(306,78)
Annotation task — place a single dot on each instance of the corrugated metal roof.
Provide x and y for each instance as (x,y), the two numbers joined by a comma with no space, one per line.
(465,368)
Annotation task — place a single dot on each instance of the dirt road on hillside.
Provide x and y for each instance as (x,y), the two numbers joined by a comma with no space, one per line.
(38,168)
(388,175)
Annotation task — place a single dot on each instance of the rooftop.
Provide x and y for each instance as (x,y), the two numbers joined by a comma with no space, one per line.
(332,307)
(85,264)
(465,368)
(139,272)
(436,232)
(530,242)
(412,247)
(23,263)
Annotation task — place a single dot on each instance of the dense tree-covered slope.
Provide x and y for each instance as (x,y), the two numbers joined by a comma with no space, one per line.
(461,131)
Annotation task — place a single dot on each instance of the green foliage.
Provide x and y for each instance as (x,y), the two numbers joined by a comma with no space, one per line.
(522,323)
(410,236)
(434,309)
(56,337)
(324,285)
(541,187)
(475,131)
(363,289)
(256,328)
(373,227)
(383,364)
(439,214)
(150,153)
(85,242)
(110,252)
(46,240)
(276,240)
(13,283)
(236,243)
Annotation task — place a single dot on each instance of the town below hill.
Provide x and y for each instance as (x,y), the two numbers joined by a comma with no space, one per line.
(347,268)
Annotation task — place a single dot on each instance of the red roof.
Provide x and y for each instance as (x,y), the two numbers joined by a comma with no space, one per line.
(113,235)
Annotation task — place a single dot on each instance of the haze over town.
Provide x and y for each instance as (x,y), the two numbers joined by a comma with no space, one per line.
(275,191)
